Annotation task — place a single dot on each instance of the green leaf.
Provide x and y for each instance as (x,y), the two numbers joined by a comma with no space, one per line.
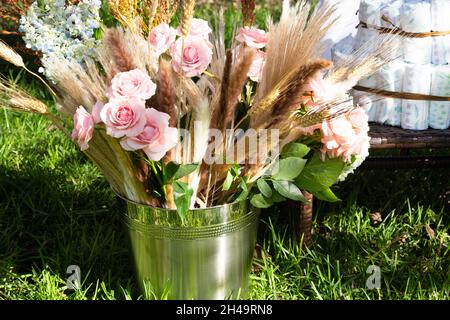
(182,194)
(244,194)
(289,190)
(326,195)
(264,188)
(98,33)
(228,181)
(294,149)
(169,171)
(259,201)
(174,171)
(319,175)
(184,170)
(276,197)
(289,168)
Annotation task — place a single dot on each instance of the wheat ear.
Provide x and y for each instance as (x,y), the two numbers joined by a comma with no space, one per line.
(10,55)
(188,13)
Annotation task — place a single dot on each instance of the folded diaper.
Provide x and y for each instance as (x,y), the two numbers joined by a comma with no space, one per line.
(440,86)
(392,10)
(423,66)
(415,113)
(416,17)
(440,21)
(369,13)
(390,78)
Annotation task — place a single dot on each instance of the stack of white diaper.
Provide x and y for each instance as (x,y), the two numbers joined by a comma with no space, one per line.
(424,67)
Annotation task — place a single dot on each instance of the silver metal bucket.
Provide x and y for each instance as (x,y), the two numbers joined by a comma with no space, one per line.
(207,255)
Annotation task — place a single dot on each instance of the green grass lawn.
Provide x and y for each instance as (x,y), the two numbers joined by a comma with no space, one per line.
(57,210)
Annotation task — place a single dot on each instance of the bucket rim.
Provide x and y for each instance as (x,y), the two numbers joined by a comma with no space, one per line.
(175,210)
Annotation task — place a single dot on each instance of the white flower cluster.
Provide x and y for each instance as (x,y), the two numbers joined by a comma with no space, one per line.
(61,31)
(357,161)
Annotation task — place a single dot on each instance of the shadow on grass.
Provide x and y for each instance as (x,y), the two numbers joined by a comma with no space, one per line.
(413,264)
(49,222)
(387,190)
(55,217)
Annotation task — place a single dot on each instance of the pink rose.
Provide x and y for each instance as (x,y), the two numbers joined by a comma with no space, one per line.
(157,137)
(83,128)
(345,136)
(124,117)
(199,28)
(96,112)
(257,66)
(360,121)
(252,37)
(134,83)
(161,38)
(322,89)
(194,59)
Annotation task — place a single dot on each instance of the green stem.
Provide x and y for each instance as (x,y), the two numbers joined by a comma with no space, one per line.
(6,118)
(242,120)
(152,163)
(155,171)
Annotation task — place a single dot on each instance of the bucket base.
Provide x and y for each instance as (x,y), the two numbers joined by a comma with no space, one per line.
(193,259)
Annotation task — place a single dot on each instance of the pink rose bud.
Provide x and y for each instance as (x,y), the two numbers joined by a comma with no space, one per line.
(83,128)
(193,58)
(161,38)
(257,66)
(199,28)
(252,37)
(124,117)
(134,83)
(157,137)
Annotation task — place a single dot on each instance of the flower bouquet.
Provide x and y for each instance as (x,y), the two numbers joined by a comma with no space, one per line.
(178,122)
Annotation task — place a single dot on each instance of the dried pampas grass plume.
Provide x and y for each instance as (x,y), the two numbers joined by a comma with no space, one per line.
(78,85)
(238,79)
(218,117)
(115,40)
(166,92)
(294,41)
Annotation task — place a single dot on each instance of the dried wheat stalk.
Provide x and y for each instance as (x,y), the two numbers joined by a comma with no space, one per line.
(186,19)
(286,94)
(11,56)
